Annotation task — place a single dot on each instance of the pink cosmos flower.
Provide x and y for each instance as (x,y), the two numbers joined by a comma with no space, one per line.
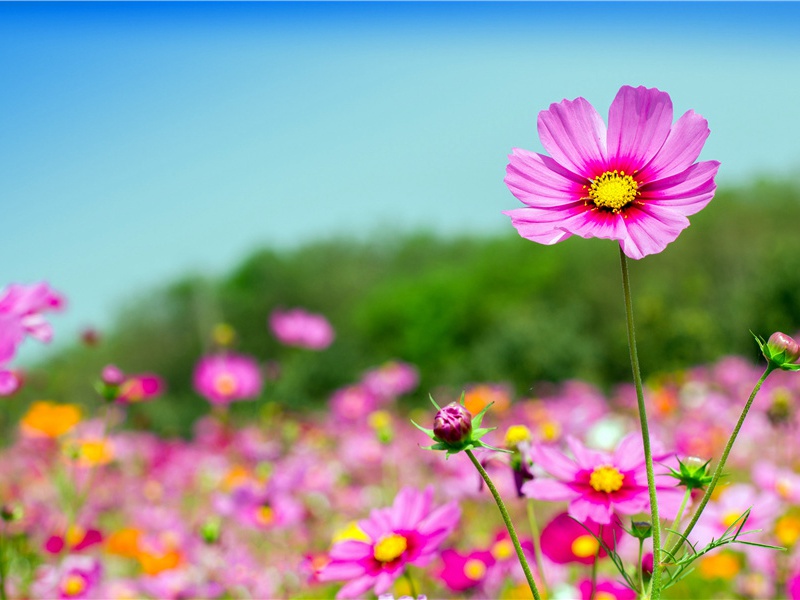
(407,533)
(391,379)
(564,540)
(597,484)
(225,378)
(297,327)
(635,181)
(20,315)
(607,589)
(462,571)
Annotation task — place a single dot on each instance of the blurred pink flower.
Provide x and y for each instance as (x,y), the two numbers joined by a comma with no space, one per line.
(21,308)
(225,378)
(408,533)
(597,484)
(564,540)
(607,589)
(462,571)
(140,388)
(297,327)
(635,181)
(391,379)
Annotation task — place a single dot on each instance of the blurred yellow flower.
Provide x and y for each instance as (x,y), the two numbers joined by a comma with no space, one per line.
(49,419)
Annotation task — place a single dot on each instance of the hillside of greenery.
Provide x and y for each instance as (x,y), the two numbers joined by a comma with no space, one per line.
(463,310)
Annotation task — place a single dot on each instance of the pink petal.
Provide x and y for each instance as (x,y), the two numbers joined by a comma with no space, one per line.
(584,510)
(538,180)
(680,150)
(543,225)
(596,223)
(410,506)
(629,453)
(548,489)
(554,462)
(574,134)
(687,192)
(650,229)
(339,571)
(350,550)
(356,588)
(586,458)
(639,122)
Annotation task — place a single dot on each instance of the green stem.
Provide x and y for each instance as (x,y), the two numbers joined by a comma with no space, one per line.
(596,560)
(509,524)
(3,566)
(537,546)
(721,464)
(640,568)
(687,494)
(655,582)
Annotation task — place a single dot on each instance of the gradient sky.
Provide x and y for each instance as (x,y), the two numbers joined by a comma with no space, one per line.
(143,141)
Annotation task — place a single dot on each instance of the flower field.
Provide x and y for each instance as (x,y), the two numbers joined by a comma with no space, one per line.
(682,484)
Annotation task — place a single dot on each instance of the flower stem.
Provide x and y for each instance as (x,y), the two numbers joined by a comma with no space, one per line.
(509,524)
(677,521)
(411,587)
(721,464)
(640,568)
(537,546)
(3,565)
(655,582)
(593,589)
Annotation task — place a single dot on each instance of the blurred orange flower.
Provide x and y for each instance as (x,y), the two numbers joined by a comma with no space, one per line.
(50,419)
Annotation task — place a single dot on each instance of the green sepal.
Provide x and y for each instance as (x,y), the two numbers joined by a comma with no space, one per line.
(776,360)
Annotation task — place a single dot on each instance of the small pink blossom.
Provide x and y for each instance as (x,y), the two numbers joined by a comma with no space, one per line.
(225,378)
(392,379)
(410,532)
(297,327)
(597,484)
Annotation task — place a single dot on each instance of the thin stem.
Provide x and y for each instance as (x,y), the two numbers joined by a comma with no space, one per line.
(3,566)
(687,494)
(509,525)
(537,546)
(655,582)
(596,560)
(640,567)
(721,464)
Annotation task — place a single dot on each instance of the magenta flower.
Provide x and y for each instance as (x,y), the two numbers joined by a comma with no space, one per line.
(634,182)
(408,533)
(225,378)
(300,328)
(597,484)
(565,541)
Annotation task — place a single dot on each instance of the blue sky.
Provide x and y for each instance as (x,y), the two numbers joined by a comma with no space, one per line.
(143,141)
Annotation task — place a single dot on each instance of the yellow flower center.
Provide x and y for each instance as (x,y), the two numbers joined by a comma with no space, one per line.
(730,518)
(584,546)
(604,596)
(517,434)
(719,566)
(784,488)
(390,547)
(787,530)
(606,479)
(613,190)
(475,569)
(265,515)
(225,384)
(502,549)
(73,585)
(550,430)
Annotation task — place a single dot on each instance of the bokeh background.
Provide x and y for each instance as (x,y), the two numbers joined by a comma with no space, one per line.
(169,166)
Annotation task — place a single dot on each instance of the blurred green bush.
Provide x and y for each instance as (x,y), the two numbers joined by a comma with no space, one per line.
(464,309)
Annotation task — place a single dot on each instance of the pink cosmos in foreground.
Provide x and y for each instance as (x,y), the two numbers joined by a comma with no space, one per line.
(225,378)
(408,533)
(599,484)
(635,182)
(297,327)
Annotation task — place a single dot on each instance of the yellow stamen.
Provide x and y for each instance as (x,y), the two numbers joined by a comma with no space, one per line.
(475,569)
(517,434)
(265,515)
(585,546)
(502,549)
(353,532)
(604,596)
(787,530)
(390,547)
(730,518)
(719,566)
(784,487)
(225,384)
(73,585)
(613,190)
(550,430)
(606,479)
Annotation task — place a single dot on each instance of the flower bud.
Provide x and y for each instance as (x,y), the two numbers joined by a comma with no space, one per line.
(780,342)
(781,351)
(453,424)
(641,529)
(112,375)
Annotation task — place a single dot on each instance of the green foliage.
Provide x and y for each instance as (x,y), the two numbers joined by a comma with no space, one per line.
(466,309)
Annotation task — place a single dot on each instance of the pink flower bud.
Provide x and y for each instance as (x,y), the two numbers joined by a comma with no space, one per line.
(780,342)
(453,424)
(112,375)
